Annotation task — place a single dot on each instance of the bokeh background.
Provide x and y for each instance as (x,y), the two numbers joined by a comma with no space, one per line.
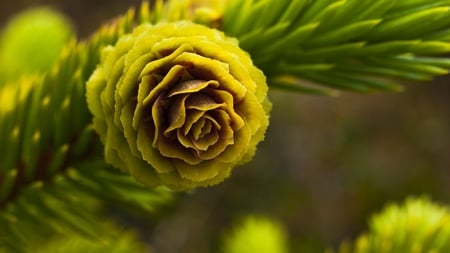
(326,165)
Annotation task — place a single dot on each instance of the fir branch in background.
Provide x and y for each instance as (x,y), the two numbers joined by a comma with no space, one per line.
(111,239)
(120,242)
(324,45)
(418,225)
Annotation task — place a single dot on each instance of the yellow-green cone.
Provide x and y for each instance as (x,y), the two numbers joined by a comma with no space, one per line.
(178,104)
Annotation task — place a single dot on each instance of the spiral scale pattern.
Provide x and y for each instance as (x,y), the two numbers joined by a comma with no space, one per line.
(178,104)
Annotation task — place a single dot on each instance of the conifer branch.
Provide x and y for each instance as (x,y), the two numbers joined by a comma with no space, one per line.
(364,46)
(417,225)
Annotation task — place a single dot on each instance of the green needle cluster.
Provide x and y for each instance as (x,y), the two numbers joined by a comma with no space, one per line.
(416,226)
(357,45)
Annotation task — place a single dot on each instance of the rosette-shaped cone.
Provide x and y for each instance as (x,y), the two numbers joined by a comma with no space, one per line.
(178,104)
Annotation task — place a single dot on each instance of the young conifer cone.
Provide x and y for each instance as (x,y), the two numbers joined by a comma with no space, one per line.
(178,104)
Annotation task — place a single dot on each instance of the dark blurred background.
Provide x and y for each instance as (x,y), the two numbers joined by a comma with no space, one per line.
(87,15)
(325,166)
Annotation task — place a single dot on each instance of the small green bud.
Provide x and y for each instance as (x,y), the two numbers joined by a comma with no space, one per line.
(32,41)
(257,234)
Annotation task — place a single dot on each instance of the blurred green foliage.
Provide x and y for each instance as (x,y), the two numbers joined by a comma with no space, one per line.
(256,235)
(122,242)
(416,226)
(31,42)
